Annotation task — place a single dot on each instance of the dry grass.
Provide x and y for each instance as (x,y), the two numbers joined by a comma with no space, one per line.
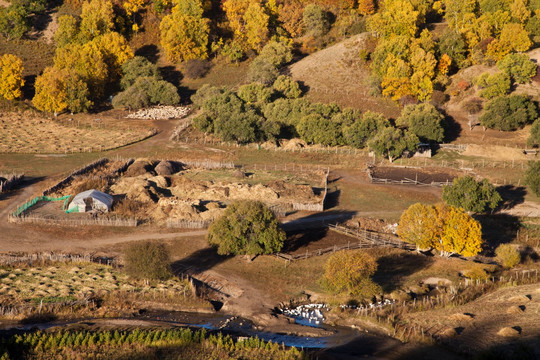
(69,281)
(28,133)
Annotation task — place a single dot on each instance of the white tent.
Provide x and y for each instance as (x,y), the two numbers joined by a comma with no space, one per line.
(91,200)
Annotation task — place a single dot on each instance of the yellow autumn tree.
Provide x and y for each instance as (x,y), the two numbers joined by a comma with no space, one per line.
(397,17)
(184,33)
(447,229)
(520,11)
(248,21)
(11,79)
(513,38)
(97,18)
(50,91)
(417,226)
(461,234)
(132,6)
(444,64)
(423,66)
(116,52)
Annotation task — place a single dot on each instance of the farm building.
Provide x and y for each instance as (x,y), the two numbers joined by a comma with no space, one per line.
(90,200)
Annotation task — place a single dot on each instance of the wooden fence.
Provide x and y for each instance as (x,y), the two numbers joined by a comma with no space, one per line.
(43,257)
(72,222)
(65,181)
(375,180)
(11,181)
(188,224)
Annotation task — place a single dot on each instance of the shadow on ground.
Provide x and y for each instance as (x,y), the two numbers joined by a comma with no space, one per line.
(394,268)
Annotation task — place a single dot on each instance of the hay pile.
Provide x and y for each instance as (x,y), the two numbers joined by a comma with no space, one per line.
(515,309)
(461,317)
(508,332)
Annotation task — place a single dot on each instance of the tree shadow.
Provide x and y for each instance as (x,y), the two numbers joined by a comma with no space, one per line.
(393,268)
(28,88)
(150,52)
(497,229)
(452,129)
(332,199)
(171,74)
(297,239)
(318,220)
(198,261)
(511,195)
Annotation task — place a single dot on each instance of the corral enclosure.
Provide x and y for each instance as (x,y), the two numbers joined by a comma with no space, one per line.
(413,175)
(163,192)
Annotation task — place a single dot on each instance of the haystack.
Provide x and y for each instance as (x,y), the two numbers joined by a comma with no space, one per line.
(461,317)
(515,309)
(165,168)
(508,332)
(140,167)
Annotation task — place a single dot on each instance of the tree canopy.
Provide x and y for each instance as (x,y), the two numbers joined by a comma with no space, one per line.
(11,79)
(423,120)
(447,229)
(391,142)
(246,228)
(350,271)
(508,113)
(471,195)
(532,177)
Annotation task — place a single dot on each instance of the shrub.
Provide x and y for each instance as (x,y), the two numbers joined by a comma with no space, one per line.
(246,227)
(147,260)
(475,273)
(263,71)
(276,53)
(508,255)
(532,177)
(518,67)
(135,68)
(255,93)
(242,127)
(196,68)
(508,113)
(204,123)
(493,85)
(534,136)
(472,195)
(350,271)
(423,120)
(204,93)
(287,87)
(315,20)
(391,142)
(287,111)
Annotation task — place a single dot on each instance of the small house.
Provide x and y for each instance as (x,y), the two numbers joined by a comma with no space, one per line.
(91,200)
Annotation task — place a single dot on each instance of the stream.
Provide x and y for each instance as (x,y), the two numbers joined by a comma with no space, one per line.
(227,324)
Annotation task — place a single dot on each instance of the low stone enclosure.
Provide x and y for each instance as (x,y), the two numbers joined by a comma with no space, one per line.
(173,193)
(406,175)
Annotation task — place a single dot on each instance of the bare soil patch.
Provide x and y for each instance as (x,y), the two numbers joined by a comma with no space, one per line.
(422,175)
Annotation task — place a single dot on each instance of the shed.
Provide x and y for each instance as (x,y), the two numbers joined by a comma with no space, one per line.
(91,200)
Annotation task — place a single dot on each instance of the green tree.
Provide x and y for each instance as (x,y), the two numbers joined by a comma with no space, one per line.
(358,134)
(287,87)
(241,127)
(14,21)
(508,255)
(246,228)
(317,129)
(471,195)
(11,79)
(518,67)
(451,43)
(148,261)
(391,142)
(493,85)
(534,136)
(315,20)
(147,91)
(77,93)
(424,120)
(508,113)
(255,93)
(532,177)
(135,68)
(351,272)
